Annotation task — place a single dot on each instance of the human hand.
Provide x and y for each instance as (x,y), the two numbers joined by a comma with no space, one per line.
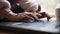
(44,14)
(28,16)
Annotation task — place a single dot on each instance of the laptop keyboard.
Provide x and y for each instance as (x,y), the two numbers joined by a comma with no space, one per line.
(41,23)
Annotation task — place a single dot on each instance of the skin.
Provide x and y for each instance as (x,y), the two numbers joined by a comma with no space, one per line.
(36,15)
(5,12)
(28,15)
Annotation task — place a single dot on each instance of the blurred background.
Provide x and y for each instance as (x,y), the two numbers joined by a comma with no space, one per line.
(48,6)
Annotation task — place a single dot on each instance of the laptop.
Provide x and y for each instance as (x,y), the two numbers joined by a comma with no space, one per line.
(38,27)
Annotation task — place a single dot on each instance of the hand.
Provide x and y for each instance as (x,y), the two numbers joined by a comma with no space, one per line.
(27,16)
(44,14)
(38,15)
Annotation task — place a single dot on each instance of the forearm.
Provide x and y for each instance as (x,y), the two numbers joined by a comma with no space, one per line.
(9,15)
(12,16)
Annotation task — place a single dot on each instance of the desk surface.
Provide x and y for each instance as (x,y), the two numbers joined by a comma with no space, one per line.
(36,26)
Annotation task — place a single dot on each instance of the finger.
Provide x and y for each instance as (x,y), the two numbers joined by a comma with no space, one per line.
(24,20)
(33,16)
(43,13)
(39,15)
(29,17)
